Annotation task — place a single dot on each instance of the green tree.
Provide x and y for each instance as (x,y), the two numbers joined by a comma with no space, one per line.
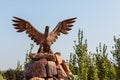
(116,56)
(27,58)
(102,62)
(1,76)
(79,61)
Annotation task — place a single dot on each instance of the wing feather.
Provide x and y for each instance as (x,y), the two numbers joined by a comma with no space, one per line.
(23,25)
(62,27)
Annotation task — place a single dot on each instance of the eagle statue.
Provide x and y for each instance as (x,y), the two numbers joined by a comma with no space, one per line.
(46,39)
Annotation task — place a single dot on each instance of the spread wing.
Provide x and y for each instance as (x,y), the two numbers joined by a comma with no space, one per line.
(62,27)
(23,25)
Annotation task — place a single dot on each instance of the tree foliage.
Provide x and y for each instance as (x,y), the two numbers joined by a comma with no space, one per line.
(97,65)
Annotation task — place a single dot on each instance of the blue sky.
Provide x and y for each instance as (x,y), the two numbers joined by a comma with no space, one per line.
(99,20)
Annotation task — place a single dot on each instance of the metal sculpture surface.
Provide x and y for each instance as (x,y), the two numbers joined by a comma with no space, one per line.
(43,39)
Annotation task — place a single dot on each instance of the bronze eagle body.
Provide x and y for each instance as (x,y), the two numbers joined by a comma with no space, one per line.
(46,39)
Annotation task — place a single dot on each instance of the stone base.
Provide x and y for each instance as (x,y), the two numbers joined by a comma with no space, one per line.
(47,67)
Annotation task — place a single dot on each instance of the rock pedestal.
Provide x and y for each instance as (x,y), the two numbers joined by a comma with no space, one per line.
(45,66)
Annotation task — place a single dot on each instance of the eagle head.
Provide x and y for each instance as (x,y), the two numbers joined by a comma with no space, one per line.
(46,31)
